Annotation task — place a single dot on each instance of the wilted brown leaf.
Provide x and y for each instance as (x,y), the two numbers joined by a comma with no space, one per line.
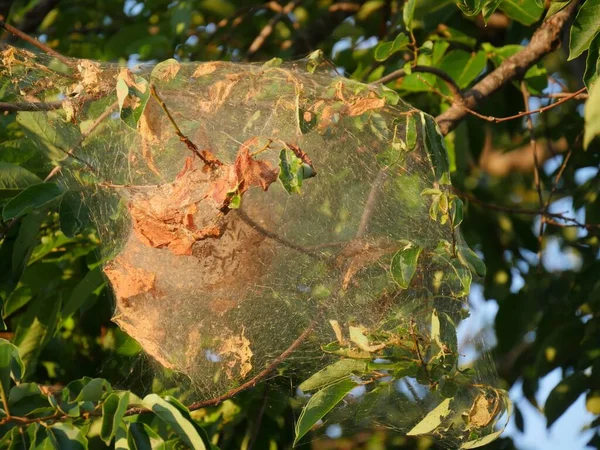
(90,76)
(338,331)
(362,105)
(236,349)
(205,69)
(252,172)
(483,411)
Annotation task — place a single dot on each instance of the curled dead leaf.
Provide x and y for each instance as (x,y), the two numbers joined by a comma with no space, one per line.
(204,69)
(362,105)
(483,410)
(236,350)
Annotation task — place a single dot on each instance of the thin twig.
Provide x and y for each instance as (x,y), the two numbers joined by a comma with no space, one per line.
(260,376)
(452,85)
(275,237)
(207,157)
(43,47)
(536,169)
(573,95)
(107,112)
(525,211)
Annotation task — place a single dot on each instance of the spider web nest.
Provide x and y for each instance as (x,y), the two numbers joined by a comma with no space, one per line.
(239,205)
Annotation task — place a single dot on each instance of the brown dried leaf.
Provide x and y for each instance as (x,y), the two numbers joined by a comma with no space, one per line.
(237,350)
(90,75)
(218,93)
(483,411)
(205,69)
(338,331)
(362,105)
(251,172)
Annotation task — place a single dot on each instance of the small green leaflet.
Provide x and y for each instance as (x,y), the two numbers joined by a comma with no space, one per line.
(314,60)
(320,404)
(292,171)
(332,373)
(386,49)
(432,420)
(404,265)
(133,93)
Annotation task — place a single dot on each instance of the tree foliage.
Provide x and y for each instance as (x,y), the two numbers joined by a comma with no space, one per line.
(519,116)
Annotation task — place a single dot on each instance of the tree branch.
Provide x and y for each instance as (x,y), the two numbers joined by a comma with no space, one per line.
(543,41)
(12,107)
(43,47)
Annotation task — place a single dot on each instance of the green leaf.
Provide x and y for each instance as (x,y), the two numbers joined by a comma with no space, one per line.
(70,214)
(290,171)
(463,66)
(585,28)
(556,6)
(113,412)
(408,13)
(132,93)
(13,179)
(436,149)
(35,328)
(471,260)
(68,437)
(592,116)
(86,389)
(174,418)
(526,12)
(27,399)
(404,265)
(26,241)
(320,404)
(411,131)
(564,395)
(592,63)
(386,49)
(432,420)
(92,282)
(51,130)
(34,197)
(11,367)
(141,437)
(332,373)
